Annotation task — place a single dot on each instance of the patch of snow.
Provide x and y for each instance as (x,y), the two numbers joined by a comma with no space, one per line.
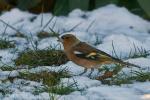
(143,62)
(14,17)
(111,18)
(22,96)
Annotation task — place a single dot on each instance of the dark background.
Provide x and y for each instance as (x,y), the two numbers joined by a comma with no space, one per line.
(63,7)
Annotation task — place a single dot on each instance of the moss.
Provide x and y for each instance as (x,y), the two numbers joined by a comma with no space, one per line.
(41,58)
(4,44)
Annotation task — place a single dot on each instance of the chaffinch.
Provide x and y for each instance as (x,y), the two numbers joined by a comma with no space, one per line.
(85,55)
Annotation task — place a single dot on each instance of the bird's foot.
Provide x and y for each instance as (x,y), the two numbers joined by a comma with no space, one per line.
(89,75)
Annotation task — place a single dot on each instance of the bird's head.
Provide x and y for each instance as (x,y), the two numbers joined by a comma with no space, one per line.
(69,40)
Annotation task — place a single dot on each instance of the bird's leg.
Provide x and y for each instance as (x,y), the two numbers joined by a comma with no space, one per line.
(92,69)
(85,70)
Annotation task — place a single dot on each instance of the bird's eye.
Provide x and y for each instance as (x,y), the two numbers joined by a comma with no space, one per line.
(64,37)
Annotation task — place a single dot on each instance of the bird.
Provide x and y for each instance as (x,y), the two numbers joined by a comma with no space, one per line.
(86,55)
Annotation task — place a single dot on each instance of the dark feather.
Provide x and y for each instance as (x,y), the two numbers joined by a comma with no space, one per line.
(87,49)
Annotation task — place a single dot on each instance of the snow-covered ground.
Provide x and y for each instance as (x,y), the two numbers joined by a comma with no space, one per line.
(107,24)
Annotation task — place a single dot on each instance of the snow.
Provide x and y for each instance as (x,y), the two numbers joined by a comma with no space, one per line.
(6,56)
(109,26)
(12,19)
(6,74)
(113,93)
(27,96)
(45,43)
(136,91)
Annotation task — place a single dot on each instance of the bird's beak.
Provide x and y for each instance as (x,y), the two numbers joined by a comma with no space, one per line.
(59,39)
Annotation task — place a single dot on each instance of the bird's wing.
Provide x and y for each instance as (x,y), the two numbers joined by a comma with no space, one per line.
(86,51)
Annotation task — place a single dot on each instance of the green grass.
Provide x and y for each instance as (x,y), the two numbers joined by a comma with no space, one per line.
(50,80)
(4,44)
(41,58)
(57,89)
(47,78)
(61,89)
(138,52)
(128,79)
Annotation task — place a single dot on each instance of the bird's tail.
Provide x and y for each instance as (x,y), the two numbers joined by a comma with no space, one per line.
(125,63)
